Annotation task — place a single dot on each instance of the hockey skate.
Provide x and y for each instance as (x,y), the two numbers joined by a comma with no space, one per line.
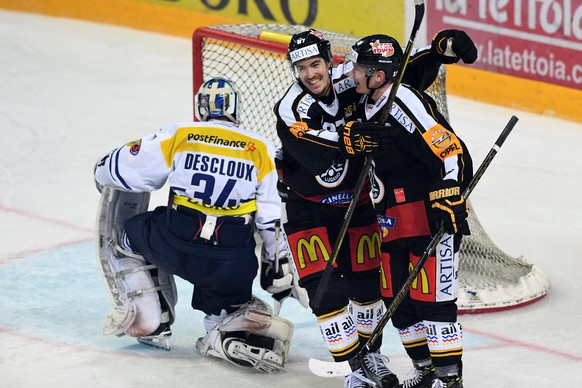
(448,382)
(159,339)
(358,379)
(420,378)
(250,337)
(374,364)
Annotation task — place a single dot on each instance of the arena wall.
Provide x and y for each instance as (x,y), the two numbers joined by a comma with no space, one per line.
(556,89)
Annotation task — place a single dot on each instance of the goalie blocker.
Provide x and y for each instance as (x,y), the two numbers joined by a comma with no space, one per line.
(142,295)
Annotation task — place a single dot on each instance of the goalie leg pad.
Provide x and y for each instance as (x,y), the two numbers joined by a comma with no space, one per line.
(168,297)
(250,337)
(168,294)
(134,280)
(134,293)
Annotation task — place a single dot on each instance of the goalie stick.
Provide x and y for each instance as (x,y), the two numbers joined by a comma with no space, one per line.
(331,369)
(418,16)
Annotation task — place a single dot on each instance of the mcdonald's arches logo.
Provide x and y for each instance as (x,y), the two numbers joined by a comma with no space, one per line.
(311,250)
(368,247)
(423,288)
(365,247)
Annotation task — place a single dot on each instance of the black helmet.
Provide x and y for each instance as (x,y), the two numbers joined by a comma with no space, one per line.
(308,44)
(378,52)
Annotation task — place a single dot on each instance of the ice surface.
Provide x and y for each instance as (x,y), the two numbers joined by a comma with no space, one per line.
(71,91)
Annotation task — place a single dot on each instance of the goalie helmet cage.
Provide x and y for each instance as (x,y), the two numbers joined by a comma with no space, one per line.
(253,57)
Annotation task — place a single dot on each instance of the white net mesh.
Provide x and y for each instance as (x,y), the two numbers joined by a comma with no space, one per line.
(490,280)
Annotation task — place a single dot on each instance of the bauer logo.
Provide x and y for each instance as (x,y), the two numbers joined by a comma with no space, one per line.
(305,52)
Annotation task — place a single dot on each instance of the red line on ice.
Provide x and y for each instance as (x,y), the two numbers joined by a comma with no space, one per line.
(45,219)
(510,341)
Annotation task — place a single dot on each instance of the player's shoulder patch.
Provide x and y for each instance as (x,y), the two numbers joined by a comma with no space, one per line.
(134,146)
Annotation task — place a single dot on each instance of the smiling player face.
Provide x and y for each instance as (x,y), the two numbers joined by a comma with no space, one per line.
(314,74)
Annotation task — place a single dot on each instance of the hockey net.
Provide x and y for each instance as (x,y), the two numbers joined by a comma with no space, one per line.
(253,57)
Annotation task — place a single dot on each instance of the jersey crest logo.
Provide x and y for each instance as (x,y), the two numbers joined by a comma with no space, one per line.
(134,147)
(334,175)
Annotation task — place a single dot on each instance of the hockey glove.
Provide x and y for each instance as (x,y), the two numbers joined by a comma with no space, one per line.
(448,205)
(452,45)
(367,139)
(282,284)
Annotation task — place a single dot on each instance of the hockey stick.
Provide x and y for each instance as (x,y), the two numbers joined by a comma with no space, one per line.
(330,369)
(277,303)
(418,16)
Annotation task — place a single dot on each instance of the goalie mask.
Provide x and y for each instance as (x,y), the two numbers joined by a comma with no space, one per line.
(308,44)
(378,52)
(217,99)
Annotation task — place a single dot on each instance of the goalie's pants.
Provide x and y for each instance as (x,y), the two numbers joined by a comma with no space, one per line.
(221,269)
(312,229)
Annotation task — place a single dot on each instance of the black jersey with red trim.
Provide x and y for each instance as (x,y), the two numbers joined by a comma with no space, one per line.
(425,150)
(310,165)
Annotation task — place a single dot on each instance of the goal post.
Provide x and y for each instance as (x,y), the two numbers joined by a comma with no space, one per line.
(253,57)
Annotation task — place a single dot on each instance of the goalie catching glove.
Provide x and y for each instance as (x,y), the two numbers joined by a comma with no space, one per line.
(448,205)
(283,283)
(367,139)
(452,45)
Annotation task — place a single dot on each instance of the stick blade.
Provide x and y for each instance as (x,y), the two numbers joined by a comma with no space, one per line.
(328,368)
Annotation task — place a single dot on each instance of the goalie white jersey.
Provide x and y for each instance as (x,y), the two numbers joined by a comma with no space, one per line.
(215,165)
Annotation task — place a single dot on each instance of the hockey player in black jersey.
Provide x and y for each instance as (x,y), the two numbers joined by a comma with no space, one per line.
(316,185)
(417,185)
